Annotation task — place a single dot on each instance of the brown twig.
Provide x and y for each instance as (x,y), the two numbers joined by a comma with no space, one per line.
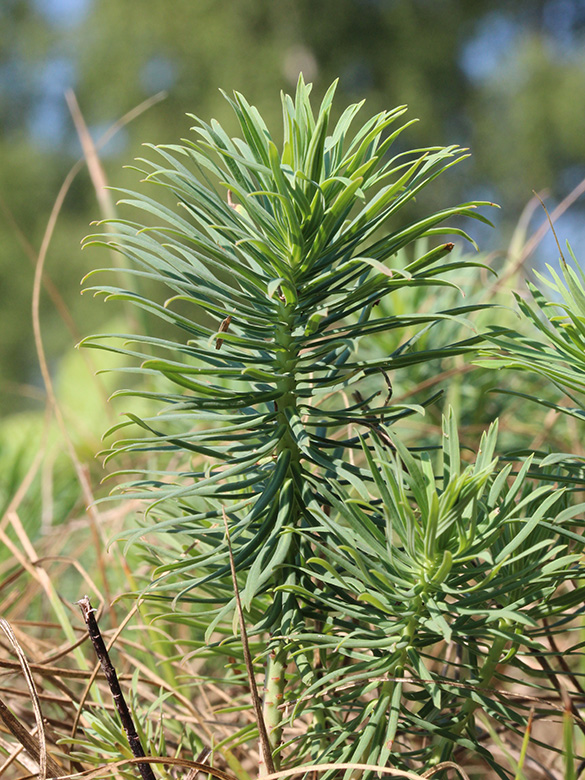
(265,749)
(112,678)
(91,680)
(90,153)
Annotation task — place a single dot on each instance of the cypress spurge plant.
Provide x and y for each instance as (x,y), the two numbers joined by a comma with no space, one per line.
(471,557)
(554,345)
(273,261)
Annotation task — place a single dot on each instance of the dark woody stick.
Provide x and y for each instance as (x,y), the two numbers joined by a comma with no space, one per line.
(112,678)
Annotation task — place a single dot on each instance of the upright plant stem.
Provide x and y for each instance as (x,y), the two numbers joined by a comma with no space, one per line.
(277,662)
(274,685)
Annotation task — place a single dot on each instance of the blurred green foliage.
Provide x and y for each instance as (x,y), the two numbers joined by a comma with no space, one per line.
(505,77)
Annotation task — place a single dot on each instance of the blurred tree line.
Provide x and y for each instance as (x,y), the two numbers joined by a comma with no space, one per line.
(504,77)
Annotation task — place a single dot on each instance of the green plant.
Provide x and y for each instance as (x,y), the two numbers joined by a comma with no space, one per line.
(358,562)
(473,558)
(551,345)
(559,352)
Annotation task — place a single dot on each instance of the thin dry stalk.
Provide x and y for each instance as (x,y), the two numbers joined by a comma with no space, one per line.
(38,573)
(386,770)
(98,177)
(164,760)
(38,277)
(17,754)
(27,743)
(48,283)
(37,751)
(112,678)
(265,749)
(533,242)
(24,486)
(94,674)
(47,380)
(48,671)
(97,174)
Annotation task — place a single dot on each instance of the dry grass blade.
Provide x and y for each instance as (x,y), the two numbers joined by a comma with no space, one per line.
(50,286)
(31,473)
(266,751)
(49,671)
(551,224)
(98,177)
(26,740)
(27,754)
(386,770)
(38,277)
(574,195)
(39,752)
(446,765)
(209,770)
(202,757)
(42,751)
(95,773)
(18,754)
(533,242)
(164,760)
(47,380)
(38,572)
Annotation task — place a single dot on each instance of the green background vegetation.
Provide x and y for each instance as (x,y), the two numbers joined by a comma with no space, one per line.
(504,78)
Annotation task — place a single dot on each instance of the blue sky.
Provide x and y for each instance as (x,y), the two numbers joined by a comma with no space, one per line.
(63,13)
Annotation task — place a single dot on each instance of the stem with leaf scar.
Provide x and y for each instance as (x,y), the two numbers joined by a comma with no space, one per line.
(274,684)
(277,660)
